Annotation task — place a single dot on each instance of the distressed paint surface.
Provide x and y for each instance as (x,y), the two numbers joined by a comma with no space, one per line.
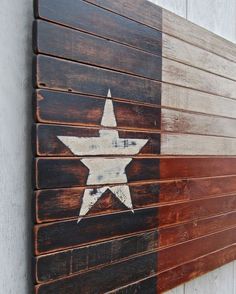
(205,103)
(197,145)
(105,159)
(105,170)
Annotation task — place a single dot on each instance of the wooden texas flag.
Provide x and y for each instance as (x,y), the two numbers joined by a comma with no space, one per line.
(135,157)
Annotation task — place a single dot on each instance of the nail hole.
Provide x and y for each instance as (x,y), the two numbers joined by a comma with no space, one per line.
(69,90)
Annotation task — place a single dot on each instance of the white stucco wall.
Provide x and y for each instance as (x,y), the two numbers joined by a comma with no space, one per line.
(15,124)
(15,155)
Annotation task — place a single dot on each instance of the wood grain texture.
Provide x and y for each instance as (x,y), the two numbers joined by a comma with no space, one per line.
(186,53)
(146,286)
(66,43)
(180,99)
(66,108)
(182,144)
(196,101)
(118,274)
(142,11)
(62,235)
(184,75)
(194,249)
(195,268)
(189,123)
(90,18)
(57,265)
(174,25)
(67,234)
(190,189)
(70,76)
(71,172)
(190,167)
(48,144)
(211,244)
(194,210)
(62,204)
(179,233)
(58,204)
(187,31)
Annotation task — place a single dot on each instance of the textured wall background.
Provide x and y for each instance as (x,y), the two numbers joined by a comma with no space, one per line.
(16,17)
(218,16)
(15,154)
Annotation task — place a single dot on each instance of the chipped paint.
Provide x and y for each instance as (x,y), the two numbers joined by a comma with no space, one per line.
(103,171)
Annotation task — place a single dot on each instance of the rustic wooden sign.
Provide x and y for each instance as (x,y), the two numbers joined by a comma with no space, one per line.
(134,141)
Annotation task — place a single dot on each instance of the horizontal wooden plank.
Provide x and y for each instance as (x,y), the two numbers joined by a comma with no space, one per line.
(69,75)
(59,74)
(196,35)
(68,234)
(72,109)
(184,75)
(49,144)
(69,172)
(140,10)
(90,18)
(192,100)
(193,210)
(171,24)
(112,276)
(184,52)
(194,249)
(181,274)
(146,286)
(184,232)
(57,204)
(62,264)
(185,167)
(186,144)
(192,189)
(195,268)
(201,124)
(62,235)
(59,41)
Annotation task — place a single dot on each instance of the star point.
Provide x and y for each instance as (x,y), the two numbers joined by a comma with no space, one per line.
(105,171)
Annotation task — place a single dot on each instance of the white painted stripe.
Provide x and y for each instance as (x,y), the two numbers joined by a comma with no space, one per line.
(184,144)
(192,100)
(196,35)
(181,51)
(202,124)
(184,75)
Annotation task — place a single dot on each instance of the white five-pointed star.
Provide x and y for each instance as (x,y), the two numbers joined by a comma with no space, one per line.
(105,171)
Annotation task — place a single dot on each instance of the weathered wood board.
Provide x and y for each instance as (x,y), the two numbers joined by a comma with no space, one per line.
(134,142)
